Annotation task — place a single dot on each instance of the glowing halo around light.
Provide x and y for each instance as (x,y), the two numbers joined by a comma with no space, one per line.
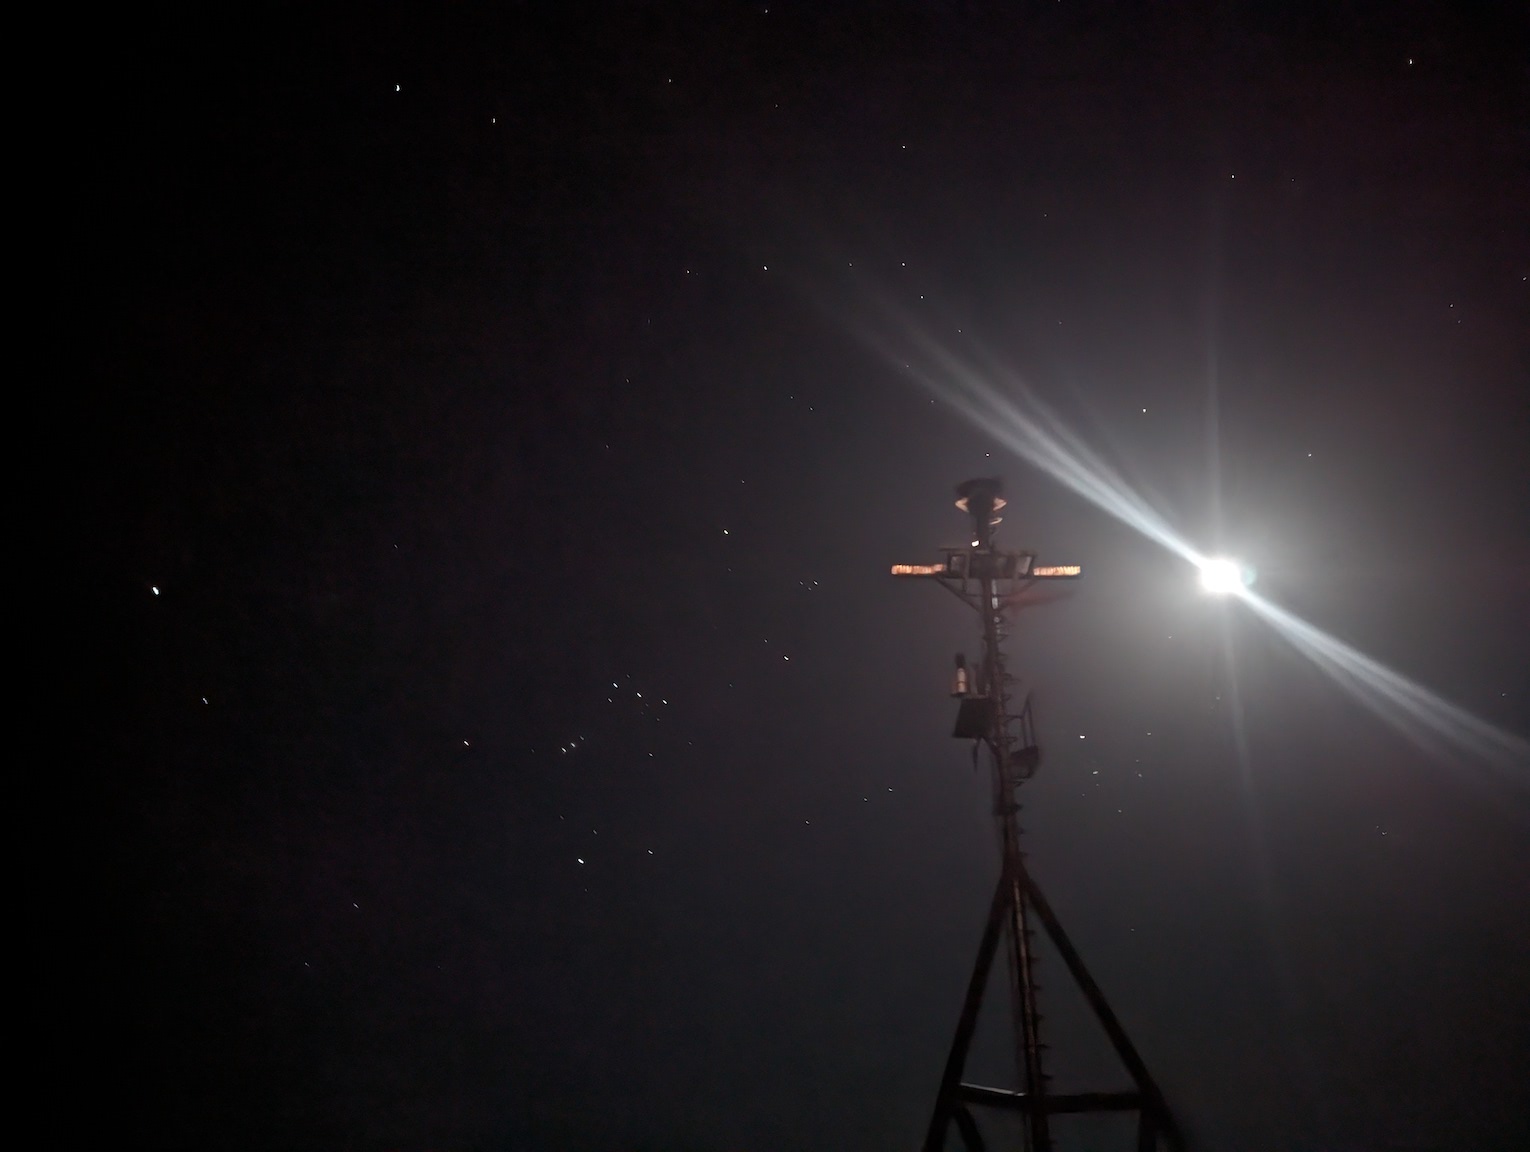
(996,401)
(1221,576)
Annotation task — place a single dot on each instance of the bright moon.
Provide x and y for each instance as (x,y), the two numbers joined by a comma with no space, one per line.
(1221,576)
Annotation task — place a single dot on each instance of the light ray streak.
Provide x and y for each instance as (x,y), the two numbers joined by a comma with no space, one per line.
(1040,437)
(1425,717)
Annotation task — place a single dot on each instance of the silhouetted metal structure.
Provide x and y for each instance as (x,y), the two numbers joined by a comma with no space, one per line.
(992,582)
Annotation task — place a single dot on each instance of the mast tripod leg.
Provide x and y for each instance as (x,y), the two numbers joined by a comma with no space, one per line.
(1155,1112)
(948,1102)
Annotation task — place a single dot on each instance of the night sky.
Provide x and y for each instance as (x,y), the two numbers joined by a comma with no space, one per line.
(502,423)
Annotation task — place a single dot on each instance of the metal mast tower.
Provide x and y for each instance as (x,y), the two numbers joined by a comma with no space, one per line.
(990,582)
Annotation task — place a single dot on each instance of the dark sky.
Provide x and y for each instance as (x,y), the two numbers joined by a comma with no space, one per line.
(516,739)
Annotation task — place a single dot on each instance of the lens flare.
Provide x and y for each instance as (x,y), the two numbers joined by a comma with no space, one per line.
(1020,421)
